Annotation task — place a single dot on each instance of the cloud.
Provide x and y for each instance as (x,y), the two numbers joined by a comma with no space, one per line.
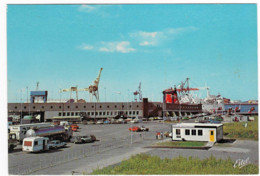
(122,47)
(155,38)
(86,47)
(87,8)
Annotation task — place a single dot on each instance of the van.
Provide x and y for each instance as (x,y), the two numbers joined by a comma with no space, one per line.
(35,144)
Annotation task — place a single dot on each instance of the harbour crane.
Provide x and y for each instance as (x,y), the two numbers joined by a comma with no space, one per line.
(72,89)
(93,89)
(138,92)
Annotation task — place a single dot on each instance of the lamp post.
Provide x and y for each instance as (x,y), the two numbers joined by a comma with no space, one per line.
(131,117)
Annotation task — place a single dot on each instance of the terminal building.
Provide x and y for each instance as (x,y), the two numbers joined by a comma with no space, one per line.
(102,110)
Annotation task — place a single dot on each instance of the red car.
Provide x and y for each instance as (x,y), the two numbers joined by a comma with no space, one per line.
(135,129)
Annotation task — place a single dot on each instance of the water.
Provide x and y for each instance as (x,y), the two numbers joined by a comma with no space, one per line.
(243,108)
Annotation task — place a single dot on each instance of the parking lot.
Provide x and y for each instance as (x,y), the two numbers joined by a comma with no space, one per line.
(108,137)
(114,145)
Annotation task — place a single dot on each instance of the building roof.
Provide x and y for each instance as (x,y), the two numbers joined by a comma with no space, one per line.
(196,125)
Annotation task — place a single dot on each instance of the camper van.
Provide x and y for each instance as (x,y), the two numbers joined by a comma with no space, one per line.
(35,144)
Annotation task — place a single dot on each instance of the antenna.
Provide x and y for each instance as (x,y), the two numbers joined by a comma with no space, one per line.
(37,85)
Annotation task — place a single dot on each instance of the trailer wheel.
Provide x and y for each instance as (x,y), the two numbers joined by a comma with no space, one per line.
(11,148)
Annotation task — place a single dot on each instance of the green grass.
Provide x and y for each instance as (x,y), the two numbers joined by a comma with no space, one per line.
(236,130)
(144,164)
(182,143)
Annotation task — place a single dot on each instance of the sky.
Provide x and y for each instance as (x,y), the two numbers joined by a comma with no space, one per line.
(61,46)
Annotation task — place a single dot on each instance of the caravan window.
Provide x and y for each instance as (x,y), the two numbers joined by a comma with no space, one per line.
(200,132)
(193,132)
(178,131)
(35,142)
(187,132)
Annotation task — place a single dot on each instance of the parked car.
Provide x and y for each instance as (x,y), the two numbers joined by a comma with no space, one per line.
(74,127)
(135,129)
(143,128)
(100,122)
(83,139)
(106,122)
(56,144)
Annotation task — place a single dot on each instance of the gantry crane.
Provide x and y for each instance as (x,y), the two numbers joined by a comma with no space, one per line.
(138,92)
(93,89)
(72,89)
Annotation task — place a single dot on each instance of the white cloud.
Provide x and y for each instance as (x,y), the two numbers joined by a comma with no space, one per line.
(122,47)
(154,38)
(87,8)
(86,47)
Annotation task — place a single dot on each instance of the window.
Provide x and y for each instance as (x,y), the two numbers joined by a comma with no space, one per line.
(100,113)
(59,113)
(130,112)
(100,106)
(137,112)
(24,107)
(193,132)
(84,107)
(104,113)
(123,106)
(211,133)
(42,107)
(133,112)
(130,106)
(76,113)
(96,113)
(60,107)
(72,113)
(92,106)
(115,106)
(68,113)
(107,106)
(15,107)
(35,142)
(64,114)
(76,107)
(88,113)
(126,112)
(200,132)
(137,106)
(187,132)
(51,107)
(92,113)
(178,131)
(107,113)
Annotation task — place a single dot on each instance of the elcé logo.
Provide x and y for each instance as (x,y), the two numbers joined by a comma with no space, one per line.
(241,163)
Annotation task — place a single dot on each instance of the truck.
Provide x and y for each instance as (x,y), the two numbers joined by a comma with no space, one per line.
(56,144)
(53,132)
(12,142)
(20,130)
(35,144)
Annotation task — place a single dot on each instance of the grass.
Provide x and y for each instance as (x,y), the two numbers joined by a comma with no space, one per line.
(236,130)
(182,143)
(143,164)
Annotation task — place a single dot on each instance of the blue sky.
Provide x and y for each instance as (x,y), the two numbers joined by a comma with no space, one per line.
(158,45)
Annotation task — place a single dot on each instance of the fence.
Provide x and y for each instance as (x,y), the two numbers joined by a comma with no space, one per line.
(71,155)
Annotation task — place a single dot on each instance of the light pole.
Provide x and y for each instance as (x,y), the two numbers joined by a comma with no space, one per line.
(105,95)
(131,117)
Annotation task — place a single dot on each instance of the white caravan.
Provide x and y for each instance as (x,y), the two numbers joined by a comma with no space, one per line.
(35,144)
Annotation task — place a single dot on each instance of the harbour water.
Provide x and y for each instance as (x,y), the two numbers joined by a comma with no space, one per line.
(243,107)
